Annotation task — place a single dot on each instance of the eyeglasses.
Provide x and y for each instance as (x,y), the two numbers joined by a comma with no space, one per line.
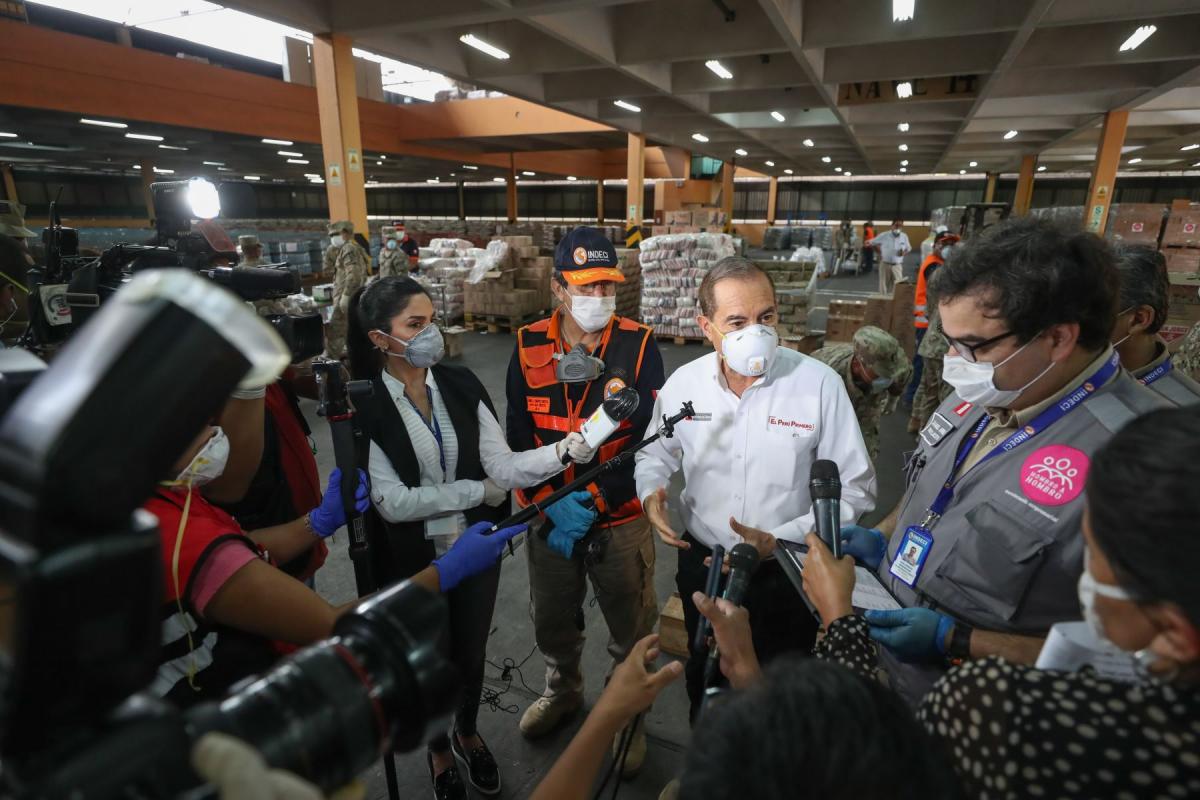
(967,351)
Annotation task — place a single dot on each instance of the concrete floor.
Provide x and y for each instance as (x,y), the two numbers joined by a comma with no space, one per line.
(523,763)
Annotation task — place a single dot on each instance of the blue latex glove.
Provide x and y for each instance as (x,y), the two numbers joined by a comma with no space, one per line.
(572,520)
(331,515)
(473,552)
(912,634)
(867,545)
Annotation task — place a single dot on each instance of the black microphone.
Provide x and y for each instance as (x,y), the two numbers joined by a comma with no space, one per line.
(825,487)
(607,417)
(743,560)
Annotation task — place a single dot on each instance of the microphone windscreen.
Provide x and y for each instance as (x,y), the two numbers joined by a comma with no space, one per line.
(824,480)
(622,405)
(743,556)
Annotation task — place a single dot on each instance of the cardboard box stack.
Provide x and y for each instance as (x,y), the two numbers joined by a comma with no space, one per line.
(845,317)
(629,293)
(881,311)
(1135,223)
(1181,238)
(902,317)
(519,289)
(694,219)
(791,300)
(672,268)
(787,272)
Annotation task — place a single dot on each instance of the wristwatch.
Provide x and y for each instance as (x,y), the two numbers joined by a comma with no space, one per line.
(958,649)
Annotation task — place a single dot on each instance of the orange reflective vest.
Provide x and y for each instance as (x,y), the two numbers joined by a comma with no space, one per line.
(920,296)
(554,415)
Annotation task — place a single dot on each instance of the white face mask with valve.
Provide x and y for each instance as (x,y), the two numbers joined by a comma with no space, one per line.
(592,313)
(975,381)
(749,351)
(207,465)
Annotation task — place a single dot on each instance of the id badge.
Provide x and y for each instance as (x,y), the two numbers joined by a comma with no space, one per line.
(910,556)
(436,527)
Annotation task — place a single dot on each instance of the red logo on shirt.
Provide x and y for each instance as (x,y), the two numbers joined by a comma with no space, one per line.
(791,423)
(962,408)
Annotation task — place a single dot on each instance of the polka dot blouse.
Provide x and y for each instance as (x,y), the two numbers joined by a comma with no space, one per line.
(1015,731)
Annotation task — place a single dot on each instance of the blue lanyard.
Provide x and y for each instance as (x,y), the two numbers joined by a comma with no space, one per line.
(435,428)
(1071,401)
(1156,373)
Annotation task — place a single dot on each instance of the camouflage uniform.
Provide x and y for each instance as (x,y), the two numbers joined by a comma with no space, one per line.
(1187,358)
(263,307)
(350,271)
(392,262)
(932,390)
(882,354)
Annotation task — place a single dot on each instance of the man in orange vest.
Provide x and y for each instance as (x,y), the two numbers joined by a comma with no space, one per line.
(921,310)
(868,253)
(563,369)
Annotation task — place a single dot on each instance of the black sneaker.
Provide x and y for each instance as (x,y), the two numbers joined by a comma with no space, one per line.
(448,785)
(482,771)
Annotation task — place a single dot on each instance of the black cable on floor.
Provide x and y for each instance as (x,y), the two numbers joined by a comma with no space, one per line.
(492,697)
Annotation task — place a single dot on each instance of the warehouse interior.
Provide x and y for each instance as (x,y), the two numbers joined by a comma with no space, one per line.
(489,129)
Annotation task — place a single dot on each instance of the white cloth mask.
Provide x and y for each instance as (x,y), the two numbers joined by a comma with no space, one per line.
(750,350)
(975,381)
(1089,587)
(336,241)
(207,465)
(592,313)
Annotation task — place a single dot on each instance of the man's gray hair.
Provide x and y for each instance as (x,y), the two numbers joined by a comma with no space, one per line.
(735,267)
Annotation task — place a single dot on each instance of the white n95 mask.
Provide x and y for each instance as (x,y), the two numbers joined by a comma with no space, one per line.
(207,465)
(592,313)
(750,350)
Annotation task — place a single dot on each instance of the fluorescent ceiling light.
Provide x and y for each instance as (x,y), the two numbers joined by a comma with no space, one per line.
(1137,37)
(498,180)
(283,142)
(469,166)
(808,143)
(741,152)
(769,163)
(7,135)
(297,160)
(472,40)
(787,172)
(149,137)
(137,166)
(837,169)
(382,158)
(433,180)
(252,177)
(904,169)
(777,116)
(902,127)
(1010,135)
(1041,169)
(213,163)
(904,89)
(626,106)
(528,173)
(903,10)
(903,148)
(170,147)
(1197,164)
(962,172)
(826,159)
(572,178)
(311,175)
(102,123)
(847,172)
(162,171)
(718,69)
(1135,161)
(1190,147)
(290,153)
(700,137)
(224,169)
(973,164)
(904,163)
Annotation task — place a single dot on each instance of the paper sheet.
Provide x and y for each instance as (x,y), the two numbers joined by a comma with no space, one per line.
(1072,645)
(869,594)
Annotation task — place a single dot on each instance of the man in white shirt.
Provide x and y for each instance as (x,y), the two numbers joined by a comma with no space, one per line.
(893,246)
(763,415)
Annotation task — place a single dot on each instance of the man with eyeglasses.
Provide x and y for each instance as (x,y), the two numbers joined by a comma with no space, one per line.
(994,502)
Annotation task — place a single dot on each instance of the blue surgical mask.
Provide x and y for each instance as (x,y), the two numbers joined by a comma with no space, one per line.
(391,244)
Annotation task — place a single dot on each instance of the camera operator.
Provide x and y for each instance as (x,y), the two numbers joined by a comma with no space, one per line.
(1016,730)
(14,262)
(437,455)
(224,601)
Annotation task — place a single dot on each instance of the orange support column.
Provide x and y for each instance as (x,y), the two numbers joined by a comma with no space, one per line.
(727,195)
(341,139)
(600,202)
(1104,173)
(1024,193)
(635,191)
(772,199)
(989,194)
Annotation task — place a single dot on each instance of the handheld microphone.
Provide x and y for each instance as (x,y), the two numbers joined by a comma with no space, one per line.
(607,417)
(711,584)
(825,487)
(743,560)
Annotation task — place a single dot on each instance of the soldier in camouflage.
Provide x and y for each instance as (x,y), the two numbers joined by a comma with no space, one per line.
(392,260)
(875,369)
(932,390)
(251,257)
(351,267)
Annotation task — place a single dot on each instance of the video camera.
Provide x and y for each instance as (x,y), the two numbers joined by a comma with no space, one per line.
(66,293)
(81,591)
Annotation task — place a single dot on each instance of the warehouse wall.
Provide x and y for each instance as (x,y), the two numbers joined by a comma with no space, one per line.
(91,195)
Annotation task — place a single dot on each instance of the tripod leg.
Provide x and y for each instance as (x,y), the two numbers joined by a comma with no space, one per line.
(389,773)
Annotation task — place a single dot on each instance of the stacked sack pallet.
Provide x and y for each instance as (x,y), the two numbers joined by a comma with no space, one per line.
(444,274)
(629,293)
(672,268)
(515,290)
(302,256)
(792,297)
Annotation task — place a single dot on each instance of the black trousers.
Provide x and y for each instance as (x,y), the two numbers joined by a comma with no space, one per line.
(471,604)
(779,620)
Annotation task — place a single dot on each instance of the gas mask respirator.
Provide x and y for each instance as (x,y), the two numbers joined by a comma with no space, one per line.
(577,366)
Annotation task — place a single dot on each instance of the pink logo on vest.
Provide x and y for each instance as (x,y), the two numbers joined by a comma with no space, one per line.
(1054,475)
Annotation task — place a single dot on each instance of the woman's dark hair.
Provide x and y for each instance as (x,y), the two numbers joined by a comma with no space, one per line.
(806,731)
(373,308)
(1034,274)
(1144,280)
(1144,504)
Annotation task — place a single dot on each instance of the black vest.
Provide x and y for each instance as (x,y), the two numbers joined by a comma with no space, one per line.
(399,549)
